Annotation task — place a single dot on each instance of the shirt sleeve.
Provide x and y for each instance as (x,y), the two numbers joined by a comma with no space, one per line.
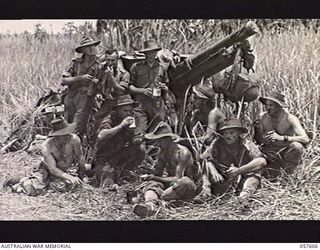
(106,123)
(124,80)
(133,75)
(70,70)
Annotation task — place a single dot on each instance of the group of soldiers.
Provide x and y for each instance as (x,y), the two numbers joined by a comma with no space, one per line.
(134,130)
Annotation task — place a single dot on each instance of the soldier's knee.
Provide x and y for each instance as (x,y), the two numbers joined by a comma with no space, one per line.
(185,188)
(297,146)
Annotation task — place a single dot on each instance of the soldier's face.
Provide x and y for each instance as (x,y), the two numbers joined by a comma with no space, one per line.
(231,135)
(125,111)
(162,142)
(272,107)
(112,60)
(90,50)
(151,56)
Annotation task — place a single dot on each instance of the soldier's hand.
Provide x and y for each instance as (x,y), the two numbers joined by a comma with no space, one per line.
(147,177)
(147,92)
(217,177)
(87,77)
(273,136)
(74,180)
(127,121)
(95,80)
(233,171)
(163,86)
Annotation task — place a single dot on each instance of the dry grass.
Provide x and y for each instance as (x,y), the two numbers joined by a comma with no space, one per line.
(293,199)
(287,60)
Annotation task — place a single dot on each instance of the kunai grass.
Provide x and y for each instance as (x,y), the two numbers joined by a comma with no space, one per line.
(287,61)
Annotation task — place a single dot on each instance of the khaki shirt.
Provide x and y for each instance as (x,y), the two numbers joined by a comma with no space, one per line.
(144,76)
(239,155)
(77,68)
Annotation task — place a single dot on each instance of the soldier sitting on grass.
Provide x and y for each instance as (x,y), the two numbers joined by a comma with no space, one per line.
(177,161)
(230,156)
(281,136)
(115,148)
(62,163)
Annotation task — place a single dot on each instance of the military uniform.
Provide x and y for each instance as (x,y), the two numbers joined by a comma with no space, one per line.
(223,155)
(151,109)
(116,151)
(78,99)
(110,93)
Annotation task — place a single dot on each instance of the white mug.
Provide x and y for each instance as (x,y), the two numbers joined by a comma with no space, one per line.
(156,92)
(133,124)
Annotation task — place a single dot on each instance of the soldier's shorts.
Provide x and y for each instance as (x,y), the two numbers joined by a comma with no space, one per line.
(184,188)
(282,157)
(36,183)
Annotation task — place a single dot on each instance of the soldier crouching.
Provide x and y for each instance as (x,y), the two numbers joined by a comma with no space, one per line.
(230,156)
(281,136)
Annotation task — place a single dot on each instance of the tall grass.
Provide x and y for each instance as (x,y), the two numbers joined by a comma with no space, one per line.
(287,60)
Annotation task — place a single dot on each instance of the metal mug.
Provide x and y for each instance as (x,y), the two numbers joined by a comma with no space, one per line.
(133,124)
(156,92)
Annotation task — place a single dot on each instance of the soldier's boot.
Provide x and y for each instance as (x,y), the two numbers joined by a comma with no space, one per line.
(145,209)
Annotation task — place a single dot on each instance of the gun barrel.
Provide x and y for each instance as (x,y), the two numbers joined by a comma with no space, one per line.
(208,62)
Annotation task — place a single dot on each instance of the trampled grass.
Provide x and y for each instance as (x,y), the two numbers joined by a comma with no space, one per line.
(287,61)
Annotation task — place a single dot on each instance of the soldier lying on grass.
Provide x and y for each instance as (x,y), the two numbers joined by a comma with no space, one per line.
(62,163)
(231,156)
(177,161)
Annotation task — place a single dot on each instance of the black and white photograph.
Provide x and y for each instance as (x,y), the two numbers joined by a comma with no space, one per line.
(159,119)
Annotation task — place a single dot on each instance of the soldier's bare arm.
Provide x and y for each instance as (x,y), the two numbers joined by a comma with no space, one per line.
(109,132)
(215,118)
(253,166)
(69,80)
(300,134)
(76,143)
(216,176)
(50,161)
(183,160)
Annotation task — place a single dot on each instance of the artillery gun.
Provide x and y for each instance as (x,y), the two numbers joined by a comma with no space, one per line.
(188,71)
(204,64)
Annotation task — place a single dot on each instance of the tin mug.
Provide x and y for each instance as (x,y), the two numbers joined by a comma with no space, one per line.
(133,124)
(156,92)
